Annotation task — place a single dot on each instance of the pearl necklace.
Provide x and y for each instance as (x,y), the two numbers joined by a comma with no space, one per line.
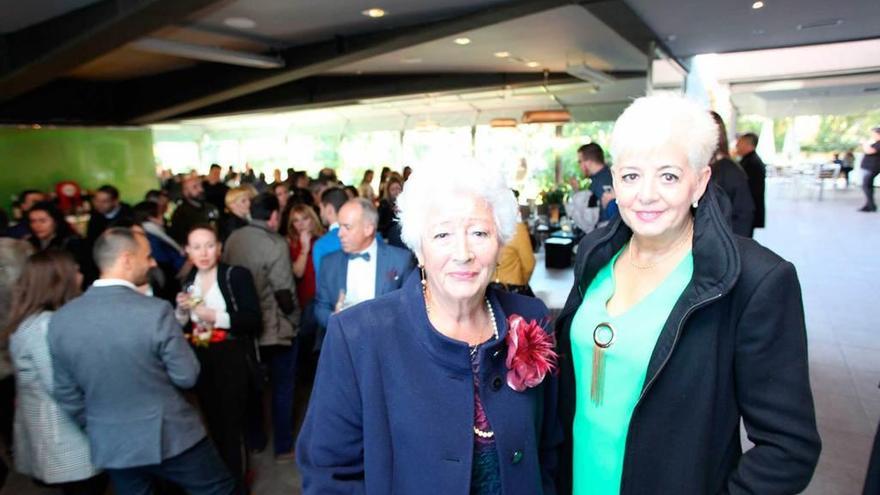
(473,349)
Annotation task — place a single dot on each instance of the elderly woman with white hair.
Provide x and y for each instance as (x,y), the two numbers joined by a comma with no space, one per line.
(443,386)
(676,330)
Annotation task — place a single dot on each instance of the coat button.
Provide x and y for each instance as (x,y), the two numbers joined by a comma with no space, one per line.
(517,456)
(497,383)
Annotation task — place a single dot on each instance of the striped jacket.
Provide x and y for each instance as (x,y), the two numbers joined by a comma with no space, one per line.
(48,444)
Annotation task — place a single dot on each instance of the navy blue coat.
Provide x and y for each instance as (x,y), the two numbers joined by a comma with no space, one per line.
(392,409)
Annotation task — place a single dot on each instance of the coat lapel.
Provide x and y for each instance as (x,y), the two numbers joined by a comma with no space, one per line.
(382,268)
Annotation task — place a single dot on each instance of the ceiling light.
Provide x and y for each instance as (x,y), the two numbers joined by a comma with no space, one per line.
(757,5)
(502,123)
(546,117)
(240,23)
(502,54)
(533,64)
(375,13)
(462,41)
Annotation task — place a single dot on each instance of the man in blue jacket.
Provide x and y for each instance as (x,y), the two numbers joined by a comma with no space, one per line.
(364,269)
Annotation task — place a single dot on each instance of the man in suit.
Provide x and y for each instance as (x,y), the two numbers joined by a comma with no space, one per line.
(364,269)
(756,171)
(107,210)
(120,361)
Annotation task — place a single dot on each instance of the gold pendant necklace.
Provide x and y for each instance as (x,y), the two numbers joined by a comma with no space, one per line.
(603,337)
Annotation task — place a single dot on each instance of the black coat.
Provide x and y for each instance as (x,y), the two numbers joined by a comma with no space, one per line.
(98,223)
(734,347)
(242,302)
(756,171)
(732,179)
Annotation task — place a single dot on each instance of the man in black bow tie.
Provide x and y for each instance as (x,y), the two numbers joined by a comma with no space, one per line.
(365,268)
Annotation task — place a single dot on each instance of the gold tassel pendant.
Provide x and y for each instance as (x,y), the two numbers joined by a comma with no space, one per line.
(603,338)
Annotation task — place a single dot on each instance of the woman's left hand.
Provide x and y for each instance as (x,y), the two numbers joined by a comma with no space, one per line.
(205,314)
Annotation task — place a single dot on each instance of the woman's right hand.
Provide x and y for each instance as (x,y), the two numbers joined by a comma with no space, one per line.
(182,301)
(305,238)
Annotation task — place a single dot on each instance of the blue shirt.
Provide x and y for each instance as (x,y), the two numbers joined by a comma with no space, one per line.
(598,181)
(327,244)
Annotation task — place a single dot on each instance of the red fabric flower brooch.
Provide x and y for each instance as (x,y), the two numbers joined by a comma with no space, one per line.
(530,354)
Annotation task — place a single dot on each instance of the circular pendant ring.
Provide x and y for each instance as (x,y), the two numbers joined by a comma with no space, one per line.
(604,335)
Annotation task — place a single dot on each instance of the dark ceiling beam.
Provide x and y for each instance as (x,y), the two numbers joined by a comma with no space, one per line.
(63,102)
(624,21)
(188,90)
(41,53)
(326,91)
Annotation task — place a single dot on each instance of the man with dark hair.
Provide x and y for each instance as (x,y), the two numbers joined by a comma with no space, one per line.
(161,198)
(591,159)
(332,200)
(120,362)
(215,188)
(871,168)
(192,210)
(260,249)
(169,255)
(107,210)
(26,199)
(756,171)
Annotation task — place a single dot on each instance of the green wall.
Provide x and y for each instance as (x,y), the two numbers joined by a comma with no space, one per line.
(39,158)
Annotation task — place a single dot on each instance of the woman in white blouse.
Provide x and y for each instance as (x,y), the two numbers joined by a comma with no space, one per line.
(220,312)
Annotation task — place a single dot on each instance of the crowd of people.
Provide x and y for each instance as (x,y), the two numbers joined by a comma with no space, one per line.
(142,351)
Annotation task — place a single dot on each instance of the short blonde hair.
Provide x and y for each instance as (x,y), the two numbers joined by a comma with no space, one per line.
(236,193)
(653,122)
(433,185)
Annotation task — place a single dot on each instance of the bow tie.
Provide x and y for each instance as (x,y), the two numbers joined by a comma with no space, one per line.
(365,256)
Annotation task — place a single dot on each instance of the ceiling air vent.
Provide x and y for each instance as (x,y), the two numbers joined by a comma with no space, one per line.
(820,24)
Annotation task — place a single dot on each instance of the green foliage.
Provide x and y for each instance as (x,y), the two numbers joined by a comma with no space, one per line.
(837,133)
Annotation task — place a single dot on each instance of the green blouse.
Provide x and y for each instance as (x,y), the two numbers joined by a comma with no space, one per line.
(600,430)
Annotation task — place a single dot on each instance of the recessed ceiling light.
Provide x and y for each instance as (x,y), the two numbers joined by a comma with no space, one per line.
(462,41)
(757,5)
(533,64)
(375,13)
(240,23)
(502,54)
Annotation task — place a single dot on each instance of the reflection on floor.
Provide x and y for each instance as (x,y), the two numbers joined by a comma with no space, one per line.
(837,253)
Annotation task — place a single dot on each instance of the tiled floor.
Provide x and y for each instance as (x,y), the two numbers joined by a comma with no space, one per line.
(837,253)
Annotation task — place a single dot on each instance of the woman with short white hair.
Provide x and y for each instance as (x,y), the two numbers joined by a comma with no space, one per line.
(443,386)
(676,330)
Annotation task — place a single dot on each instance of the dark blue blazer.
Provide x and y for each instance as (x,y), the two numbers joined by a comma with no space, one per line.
(392,266)
(392,409)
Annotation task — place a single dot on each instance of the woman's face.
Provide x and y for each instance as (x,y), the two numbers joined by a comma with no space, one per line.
(302,223)
(460,247)
(241,207)
(655,190)
(42,224)
(203,249)
(394,190)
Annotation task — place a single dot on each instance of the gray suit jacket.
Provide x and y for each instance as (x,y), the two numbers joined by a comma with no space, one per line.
(120,360)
